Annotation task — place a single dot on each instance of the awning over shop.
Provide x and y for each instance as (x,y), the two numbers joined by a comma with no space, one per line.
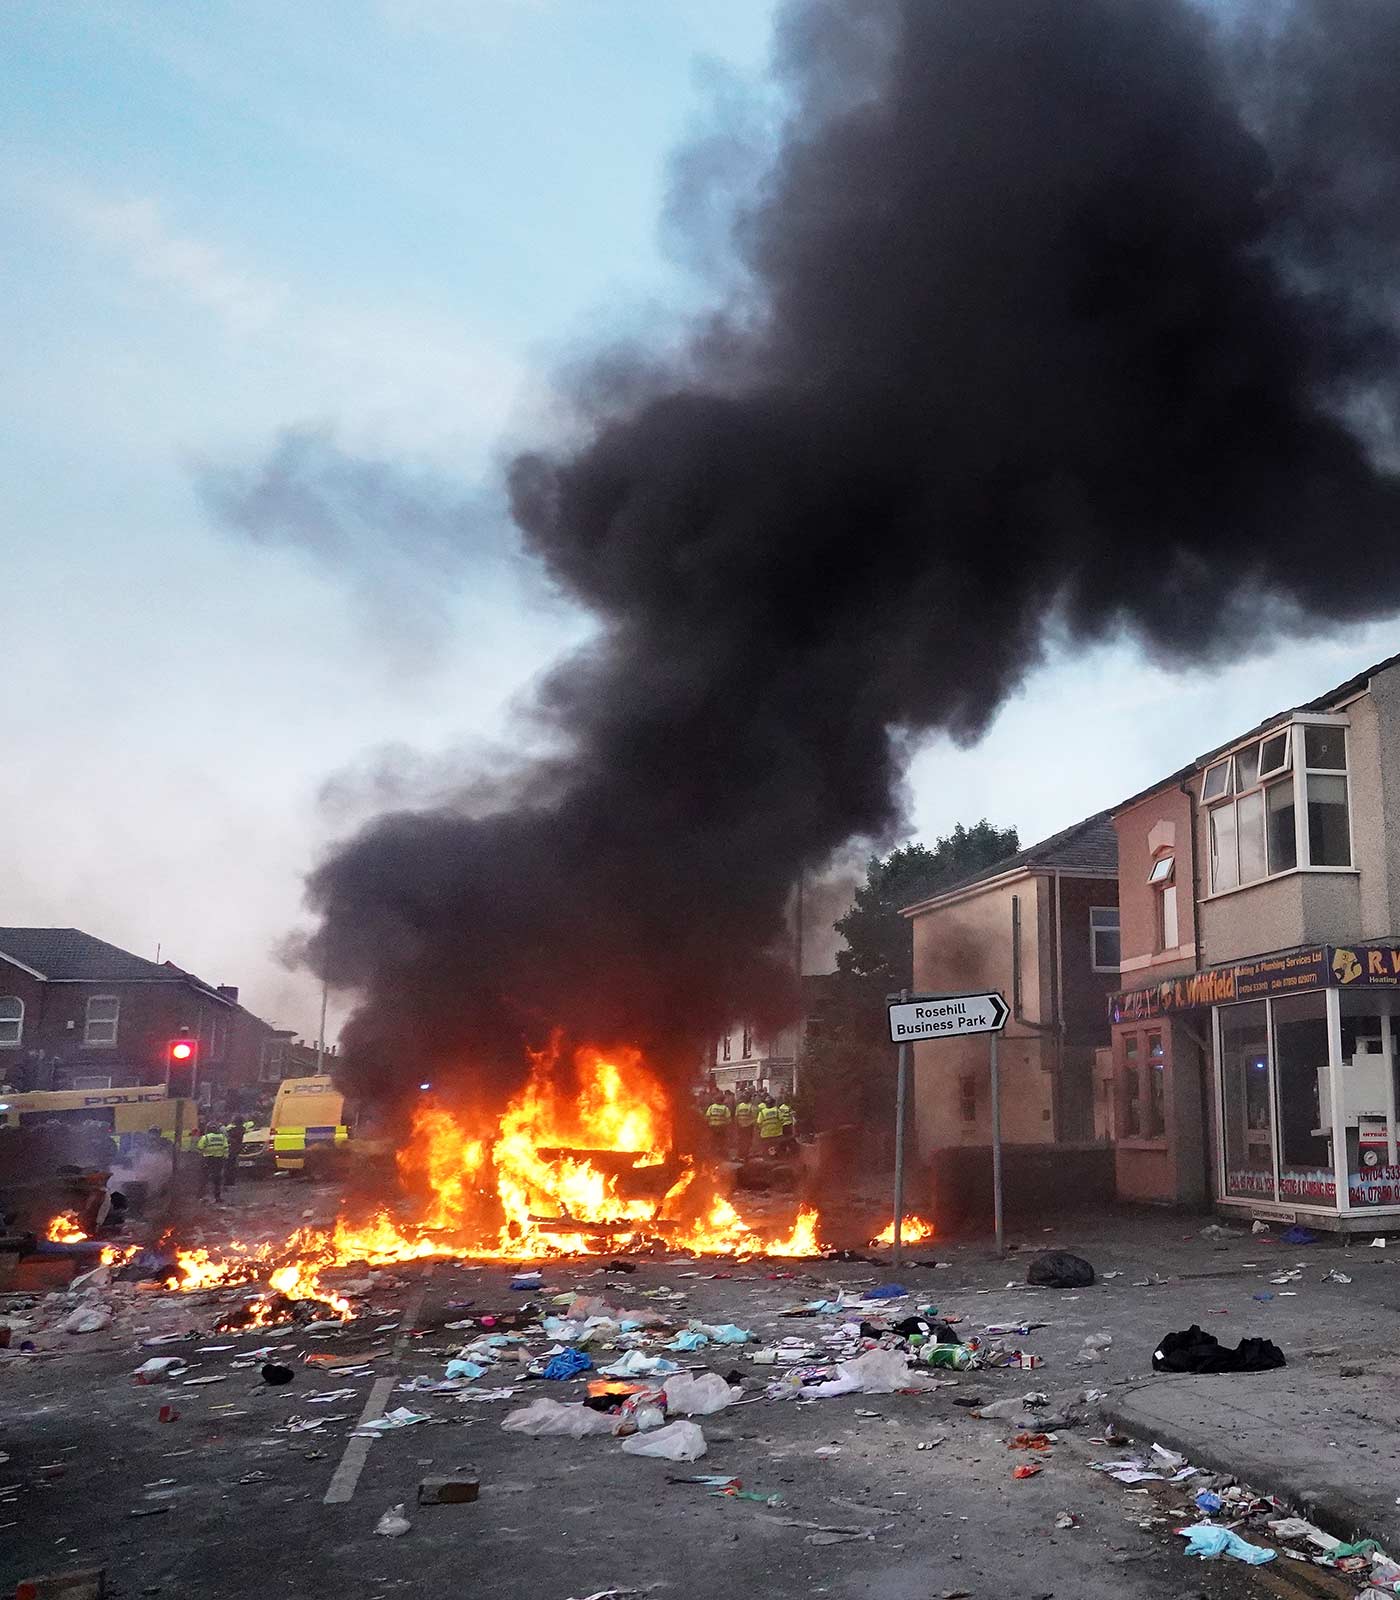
(1279,973)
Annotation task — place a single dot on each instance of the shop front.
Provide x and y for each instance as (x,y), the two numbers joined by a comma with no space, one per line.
(1304,1078)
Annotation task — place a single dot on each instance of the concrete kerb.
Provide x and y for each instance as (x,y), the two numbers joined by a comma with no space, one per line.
(1344,1516)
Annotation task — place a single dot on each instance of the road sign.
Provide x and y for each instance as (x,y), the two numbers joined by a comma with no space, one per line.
(946,1016)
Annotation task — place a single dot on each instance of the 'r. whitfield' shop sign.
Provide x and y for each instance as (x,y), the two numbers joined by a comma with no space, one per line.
(1364,966)
(1220,986)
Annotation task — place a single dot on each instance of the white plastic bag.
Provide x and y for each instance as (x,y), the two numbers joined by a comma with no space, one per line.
(698,1397)
(87,1319)
(393,1524)
(159,1367)
(876,1372)
(677,1441)
(554,1418)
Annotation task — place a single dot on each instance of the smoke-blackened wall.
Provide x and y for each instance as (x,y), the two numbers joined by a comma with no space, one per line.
(1047,314)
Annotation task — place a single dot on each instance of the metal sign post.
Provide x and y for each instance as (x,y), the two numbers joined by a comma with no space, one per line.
(993,1042)
(944,1016)
(900,1095)
(175,1159)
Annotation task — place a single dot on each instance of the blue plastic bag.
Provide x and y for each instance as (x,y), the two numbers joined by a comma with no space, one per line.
(1208,1542)
(568,1364)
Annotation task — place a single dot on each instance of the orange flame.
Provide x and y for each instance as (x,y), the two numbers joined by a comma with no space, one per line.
(912,1230)
(64,1229)
(582,1160)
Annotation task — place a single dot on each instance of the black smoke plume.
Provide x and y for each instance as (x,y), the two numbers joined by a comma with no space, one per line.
(1070,315)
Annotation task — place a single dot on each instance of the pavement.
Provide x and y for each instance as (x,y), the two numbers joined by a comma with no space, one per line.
(225,1500)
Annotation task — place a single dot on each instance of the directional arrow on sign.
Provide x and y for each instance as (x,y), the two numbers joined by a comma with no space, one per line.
(947,1016)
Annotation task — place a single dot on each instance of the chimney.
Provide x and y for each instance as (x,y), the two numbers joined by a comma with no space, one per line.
(229,991)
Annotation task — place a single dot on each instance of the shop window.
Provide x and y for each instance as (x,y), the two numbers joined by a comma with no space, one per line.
(967,1097)
(1253,824)
(1132,1088)
(1142,1074)
(1302,1095)
(1104,943)
(1156,1096)
(11,1021)
(1248,1108)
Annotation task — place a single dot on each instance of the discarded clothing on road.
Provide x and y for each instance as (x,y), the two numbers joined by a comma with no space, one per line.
(1194,1350)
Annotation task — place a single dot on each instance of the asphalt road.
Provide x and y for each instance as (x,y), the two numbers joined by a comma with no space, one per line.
(222,1502)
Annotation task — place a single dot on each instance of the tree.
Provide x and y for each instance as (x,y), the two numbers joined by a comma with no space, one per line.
(848,1065)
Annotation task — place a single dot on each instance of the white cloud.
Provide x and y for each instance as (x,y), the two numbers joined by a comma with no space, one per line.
(390,375)
(199,272)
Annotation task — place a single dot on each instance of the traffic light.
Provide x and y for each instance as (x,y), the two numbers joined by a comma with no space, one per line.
(181,1065)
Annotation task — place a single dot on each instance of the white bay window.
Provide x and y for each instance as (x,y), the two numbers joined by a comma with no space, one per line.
(1277,804)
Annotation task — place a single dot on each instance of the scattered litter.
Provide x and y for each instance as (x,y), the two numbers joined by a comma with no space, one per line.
(1093,1348)
(677,1441)
(554,1419)
(274,1373)
(1297,1235)
(1378,1243)
(698,1397)
(1209,1542)
(635,1365)
(399,1417)
(159,1367)
(1066,1519)
(87,1319)
(393,1524)
(1029,1470)
(527,1280)
(567,1364)
(214,1377)
(1335,1277)
(1260,1227)
(1208,1501)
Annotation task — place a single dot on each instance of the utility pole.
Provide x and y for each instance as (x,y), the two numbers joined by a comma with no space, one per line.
(901,1092)
(801,998)
(321,1036)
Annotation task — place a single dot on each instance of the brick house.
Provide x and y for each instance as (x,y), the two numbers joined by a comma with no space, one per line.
(1042,928)
(77,1012)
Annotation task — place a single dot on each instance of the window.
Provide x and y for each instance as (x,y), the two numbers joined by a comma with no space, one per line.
(1142,1085)
(1156,1087)
(1283,835)
(104,1082)
(967,1097)
(1252,802)
(748,1043)
(1132,1089)
(1163,869)
(1168,933)
(101,1024)
(11,1021)
(1273,755)
(1217,781)
(1103,938)
(726,1047)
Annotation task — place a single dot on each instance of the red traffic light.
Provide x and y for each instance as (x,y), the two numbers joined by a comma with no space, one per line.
(181,1050)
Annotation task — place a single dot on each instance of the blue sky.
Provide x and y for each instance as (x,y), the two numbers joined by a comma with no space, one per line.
(385,221)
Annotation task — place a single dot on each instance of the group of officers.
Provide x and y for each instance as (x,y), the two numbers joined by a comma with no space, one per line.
(748,1114)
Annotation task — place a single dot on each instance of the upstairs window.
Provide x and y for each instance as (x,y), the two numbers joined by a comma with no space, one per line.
(1252,799)
(748,1043)
(11,1021)
(1162,878)
(100,1026)
(1104,949)
(726,1047)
